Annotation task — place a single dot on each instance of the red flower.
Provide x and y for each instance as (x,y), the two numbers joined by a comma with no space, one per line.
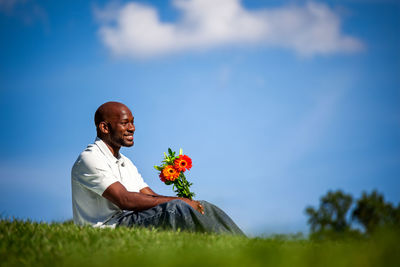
(162,177)
(183,163)
(170,173)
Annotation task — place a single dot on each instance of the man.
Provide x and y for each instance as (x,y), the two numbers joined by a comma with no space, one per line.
(107,189)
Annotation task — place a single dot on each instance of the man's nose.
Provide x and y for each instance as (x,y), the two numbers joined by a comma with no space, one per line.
(131,127)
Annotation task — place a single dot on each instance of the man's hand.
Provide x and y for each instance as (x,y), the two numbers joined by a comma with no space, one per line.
(194,204)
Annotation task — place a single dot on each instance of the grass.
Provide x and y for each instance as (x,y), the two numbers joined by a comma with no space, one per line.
(64,244)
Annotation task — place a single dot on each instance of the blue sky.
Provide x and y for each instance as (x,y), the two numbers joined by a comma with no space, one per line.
(276,102)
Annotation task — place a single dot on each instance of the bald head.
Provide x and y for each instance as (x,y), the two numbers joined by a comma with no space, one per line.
(114,125)
(108,111)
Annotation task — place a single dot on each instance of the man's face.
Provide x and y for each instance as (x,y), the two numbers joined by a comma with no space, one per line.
(122,128)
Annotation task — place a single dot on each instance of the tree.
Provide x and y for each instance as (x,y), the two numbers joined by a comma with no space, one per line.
(331,221)
(372,212)
(331,214)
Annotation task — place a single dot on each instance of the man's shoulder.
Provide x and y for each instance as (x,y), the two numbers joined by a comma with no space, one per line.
(92,155)
(92,150)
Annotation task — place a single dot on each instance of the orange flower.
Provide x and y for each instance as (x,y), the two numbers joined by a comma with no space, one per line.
(183,163)
(170,173)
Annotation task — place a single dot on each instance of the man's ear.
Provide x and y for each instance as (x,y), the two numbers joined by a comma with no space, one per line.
(103,126)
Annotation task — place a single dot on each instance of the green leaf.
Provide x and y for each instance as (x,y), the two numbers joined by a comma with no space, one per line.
(170,151)
(158,168)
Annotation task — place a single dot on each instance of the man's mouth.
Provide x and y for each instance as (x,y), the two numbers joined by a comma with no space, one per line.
(129,137)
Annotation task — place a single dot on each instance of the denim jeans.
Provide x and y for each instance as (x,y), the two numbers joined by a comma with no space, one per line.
(177,214)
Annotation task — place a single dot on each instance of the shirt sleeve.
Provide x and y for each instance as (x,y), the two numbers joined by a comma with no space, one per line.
(93,174)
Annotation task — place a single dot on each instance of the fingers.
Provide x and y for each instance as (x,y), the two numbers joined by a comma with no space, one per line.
(200,207)
(195,205)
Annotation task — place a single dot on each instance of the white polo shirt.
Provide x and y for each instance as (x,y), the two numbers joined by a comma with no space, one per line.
(96,169)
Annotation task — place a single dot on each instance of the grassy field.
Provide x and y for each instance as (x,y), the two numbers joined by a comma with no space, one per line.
(26,243)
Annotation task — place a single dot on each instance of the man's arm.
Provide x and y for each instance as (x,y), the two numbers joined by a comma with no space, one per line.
(125,200)
(148,191)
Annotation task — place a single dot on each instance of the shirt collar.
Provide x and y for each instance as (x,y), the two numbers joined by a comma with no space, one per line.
(107,152)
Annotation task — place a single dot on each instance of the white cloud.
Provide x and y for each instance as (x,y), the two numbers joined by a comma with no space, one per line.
(136,30)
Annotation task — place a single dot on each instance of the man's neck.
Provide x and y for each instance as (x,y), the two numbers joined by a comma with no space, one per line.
(114,149)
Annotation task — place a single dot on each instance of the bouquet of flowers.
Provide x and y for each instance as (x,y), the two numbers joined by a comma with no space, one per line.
(172,172)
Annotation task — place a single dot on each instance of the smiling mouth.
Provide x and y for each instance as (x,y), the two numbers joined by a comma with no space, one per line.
(129,137)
